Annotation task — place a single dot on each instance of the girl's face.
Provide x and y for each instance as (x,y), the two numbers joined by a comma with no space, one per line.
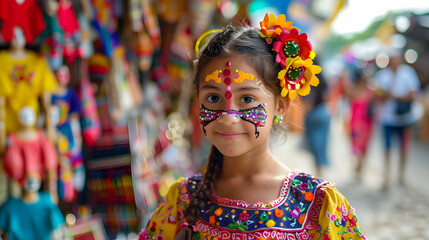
(237,111)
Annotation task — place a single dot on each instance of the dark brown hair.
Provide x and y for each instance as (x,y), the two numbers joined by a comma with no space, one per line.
(244,42)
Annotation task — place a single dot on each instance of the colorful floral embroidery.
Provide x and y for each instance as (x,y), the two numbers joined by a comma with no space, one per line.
(294,215)
(345,220)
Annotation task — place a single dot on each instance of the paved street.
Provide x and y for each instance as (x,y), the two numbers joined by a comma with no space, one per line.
(400,212)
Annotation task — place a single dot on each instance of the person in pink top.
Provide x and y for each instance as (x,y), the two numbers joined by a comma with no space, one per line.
(360,97)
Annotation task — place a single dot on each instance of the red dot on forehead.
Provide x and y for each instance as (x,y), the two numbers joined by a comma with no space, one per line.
(226,72)
(228,64)
(227,81)
(228,94)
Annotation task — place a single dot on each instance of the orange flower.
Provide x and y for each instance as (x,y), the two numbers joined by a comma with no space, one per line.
(272,26)
(212,219)
(309,196)
(233,211)
(218,211)
(301,219)
(278,213)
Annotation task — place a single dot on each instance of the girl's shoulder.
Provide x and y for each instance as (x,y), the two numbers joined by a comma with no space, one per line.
(194,182)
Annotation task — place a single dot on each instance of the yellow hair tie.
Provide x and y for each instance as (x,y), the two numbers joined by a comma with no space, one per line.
(205,34)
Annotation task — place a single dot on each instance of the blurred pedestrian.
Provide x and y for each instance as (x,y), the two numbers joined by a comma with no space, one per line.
(317,124)
(360,97)
(398,85)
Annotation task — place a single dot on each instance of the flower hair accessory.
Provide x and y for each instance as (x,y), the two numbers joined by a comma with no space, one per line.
(294,53)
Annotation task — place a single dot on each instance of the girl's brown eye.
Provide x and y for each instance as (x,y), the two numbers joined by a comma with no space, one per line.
(247,100)
(213,98)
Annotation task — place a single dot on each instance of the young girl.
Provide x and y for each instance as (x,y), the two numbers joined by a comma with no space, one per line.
(245,80)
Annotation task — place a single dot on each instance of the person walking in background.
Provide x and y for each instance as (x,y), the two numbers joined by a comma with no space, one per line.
(360,97)
(397,88)
(317,124)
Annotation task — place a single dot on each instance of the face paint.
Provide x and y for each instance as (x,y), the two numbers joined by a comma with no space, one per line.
(226,75)
(256,115)
(262,87)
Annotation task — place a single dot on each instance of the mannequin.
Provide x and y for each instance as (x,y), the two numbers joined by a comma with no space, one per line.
(35,214)
(24,78)
(29,152)
(69,139)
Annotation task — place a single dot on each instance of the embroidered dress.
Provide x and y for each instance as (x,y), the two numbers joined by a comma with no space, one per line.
(307,208)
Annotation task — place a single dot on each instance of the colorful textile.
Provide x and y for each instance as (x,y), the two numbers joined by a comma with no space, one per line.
(68,146)
(29,156)
(22,82)
(307,208)
(25,14)
(36,220)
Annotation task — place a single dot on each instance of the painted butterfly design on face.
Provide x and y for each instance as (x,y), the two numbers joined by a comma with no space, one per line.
(256,115)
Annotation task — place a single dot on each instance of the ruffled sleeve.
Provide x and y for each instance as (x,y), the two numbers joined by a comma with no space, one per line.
(169,214)
(337,219)
(13,162)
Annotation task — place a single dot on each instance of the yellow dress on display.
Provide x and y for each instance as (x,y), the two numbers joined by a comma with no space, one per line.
(22,82)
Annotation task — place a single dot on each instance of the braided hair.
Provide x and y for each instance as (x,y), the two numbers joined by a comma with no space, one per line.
(244,42)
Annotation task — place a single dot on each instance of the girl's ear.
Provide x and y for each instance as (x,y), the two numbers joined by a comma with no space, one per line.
(282,106)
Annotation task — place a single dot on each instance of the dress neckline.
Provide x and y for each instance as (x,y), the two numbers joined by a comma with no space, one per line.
(259,205)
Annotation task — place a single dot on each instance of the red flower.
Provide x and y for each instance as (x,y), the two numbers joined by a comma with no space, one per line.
(243,216)
(326,237)
(291,45)
(352,222)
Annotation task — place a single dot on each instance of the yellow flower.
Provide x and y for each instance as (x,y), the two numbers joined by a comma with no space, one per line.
(270,223)
(298,76)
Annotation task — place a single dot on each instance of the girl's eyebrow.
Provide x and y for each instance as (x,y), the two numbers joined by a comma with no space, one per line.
(243,89)
(209,87)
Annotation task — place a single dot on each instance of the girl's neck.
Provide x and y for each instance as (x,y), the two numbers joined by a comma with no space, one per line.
(249,165)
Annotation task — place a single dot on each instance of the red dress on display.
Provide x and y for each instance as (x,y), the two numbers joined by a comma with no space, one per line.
(25,14)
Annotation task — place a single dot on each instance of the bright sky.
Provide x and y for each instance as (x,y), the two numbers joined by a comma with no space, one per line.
(359,14)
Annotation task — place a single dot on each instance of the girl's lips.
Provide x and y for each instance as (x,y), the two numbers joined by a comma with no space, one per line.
(230,136)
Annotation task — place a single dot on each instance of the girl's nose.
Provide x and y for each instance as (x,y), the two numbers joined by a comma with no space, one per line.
(229,118)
